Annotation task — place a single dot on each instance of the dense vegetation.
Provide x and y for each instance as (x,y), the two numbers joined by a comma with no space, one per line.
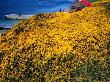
(58,47)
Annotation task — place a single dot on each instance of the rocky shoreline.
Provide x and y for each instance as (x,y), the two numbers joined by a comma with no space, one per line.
(2,31)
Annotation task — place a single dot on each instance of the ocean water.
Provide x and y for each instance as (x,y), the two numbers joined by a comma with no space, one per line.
(29,7)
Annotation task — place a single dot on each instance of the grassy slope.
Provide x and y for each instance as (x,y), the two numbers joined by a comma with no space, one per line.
(58,47)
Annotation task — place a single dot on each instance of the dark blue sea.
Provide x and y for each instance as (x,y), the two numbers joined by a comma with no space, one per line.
(29,7)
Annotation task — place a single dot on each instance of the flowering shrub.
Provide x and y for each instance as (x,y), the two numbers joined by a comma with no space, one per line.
(58,47)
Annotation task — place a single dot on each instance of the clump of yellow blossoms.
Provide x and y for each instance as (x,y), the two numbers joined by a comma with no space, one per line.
(56,47)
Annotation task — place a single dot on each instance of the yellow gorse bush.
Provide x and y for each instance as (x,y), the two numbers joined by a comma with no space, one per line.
(47,47)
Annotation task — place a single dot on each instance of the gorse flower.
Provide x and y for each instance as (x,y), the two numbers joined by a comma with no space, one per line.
(61,47)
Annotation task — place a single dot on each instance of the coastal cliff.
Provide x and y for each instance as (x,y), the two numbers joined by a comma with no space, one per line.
(58,47)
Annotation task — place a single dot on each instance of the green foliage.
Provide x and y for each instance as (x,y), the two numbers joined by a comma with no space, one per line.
(91,72)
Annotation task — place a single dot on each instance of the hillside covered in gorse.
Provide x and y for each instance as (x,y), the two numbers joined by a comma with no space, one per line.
(58,47)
